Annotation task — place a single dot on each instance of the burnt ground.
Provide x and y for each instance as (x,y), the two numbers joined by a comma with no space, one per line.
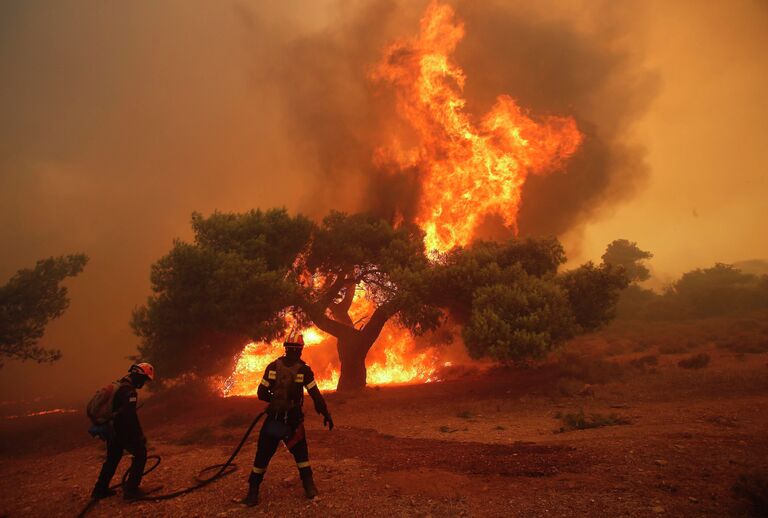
(487,444)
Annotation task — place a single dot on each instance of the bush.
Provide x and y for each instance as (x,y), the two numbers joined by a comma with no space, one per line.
(697,361)
(588,370)
(649,360)
(580,421)
(525,319)
(753,487)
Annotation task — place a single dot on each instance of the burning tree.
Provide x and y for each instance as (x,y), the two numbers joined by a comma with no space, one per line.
(248,277)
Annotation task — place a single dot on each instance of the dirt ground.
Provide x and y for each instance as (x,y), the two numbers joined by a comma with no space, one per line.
(485,444)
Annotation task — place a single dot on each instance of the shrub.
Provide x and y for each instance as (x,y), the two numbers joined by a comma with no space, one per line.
(697,361)
(580,421)
(588,370)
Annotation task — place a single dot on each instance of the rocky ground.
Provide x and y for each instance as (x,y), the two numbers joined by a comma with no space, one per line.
(486,444)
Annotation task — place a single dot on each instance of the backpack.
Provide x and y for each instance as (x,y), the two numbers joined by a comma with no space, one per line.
(284,385)
(99,408)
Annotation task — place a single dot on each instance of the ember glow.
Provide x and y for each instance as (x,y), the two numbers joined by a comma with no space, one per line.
(468,169)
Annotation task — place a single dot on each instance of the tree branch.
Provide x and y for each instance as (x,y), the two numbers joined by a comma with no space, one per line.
(372,329)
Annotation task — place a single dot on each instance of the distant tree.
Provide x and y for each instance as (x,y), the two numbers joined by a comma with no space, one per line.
(718,290)
(593,292)
(628,255)
(31,299)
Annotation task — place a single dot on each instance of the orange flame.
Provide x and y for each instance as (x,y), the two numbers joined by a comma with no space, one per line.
(468,170)
(392,360)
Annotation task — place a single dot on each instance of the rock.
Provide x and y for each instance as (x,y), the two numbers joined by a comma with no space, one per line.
(660,462)
(657,509)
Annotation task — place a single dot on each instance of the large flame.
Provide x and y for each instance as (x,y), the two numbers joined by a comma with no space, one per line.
(394,358)
(468,169)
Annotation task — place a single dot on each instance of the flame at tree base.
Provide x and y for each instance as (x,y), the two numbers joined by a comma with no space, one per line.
(395,359)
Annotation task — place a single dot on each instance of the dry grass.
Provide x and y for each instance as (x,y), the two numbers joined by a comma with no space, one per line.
(581,421)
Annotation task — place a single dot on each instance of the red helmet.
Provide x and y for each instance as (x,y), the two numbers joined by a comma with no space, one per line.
(294,340)
(143,368)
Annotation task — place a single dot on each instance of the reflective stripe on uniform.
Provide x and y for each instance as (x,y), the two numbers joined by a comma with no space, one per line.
(272,375)
(264,382)
(132,399)
(300,378)
(259,471)
(303,464)
(311,384)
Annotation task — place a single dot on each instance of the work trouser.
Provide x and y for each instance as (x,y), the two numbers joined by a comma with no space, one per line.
(296,442)
(115,449)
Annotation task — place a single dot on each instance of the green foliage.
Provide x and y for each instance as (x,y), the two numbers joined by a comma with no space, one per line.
(464,270)
(593,292)
(720,290)
(628,255)
(229,287)
(31,299)
(243,272)
(517,321)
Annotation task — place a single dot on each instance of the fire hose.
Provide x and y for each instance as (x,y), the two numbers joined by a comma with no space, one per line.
(224,469)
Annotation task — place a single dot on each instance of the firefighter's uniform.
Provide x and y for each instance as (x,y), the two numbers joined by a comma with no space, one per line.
(127,435)
(283,387)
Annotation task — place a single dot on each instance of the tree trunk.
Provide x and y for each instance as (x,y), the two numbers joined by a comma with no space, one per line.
(352,353)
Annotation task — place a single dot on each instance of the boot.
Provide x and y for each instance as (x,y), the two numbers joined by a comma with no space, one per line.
(252,498)
(310,490)
(98,493)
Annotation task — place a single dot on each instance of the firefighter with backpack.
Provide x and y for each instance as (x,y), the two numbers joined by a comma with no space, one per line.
(113,413)
(283,387)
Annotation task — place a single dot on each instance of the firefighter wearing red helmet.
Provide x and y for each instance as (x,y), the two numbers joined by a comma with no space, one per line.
(283,387)
(124,433)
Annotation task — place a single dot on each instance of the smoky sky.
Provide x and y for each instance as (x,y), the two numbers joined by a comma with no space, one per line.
(120,119)
(551,65)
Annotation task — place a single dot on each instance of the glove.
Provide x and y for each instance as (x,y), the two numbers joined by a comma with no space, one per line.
(327,421)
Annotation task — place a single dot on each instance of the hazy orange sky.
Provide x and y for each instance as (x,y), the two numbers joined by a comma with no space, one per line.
(120,119)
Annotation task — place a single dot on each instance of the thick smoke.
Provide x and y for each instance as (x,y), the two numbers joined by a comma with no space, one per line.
(566,65)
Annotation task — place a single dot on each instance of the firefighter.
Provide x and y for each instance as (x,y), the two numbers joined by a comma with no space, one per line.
(126,434)
(283,388)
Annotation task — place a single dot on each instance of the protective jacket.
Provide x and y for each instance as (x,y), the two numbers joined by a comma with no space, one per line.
(126,422)
(283,387)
